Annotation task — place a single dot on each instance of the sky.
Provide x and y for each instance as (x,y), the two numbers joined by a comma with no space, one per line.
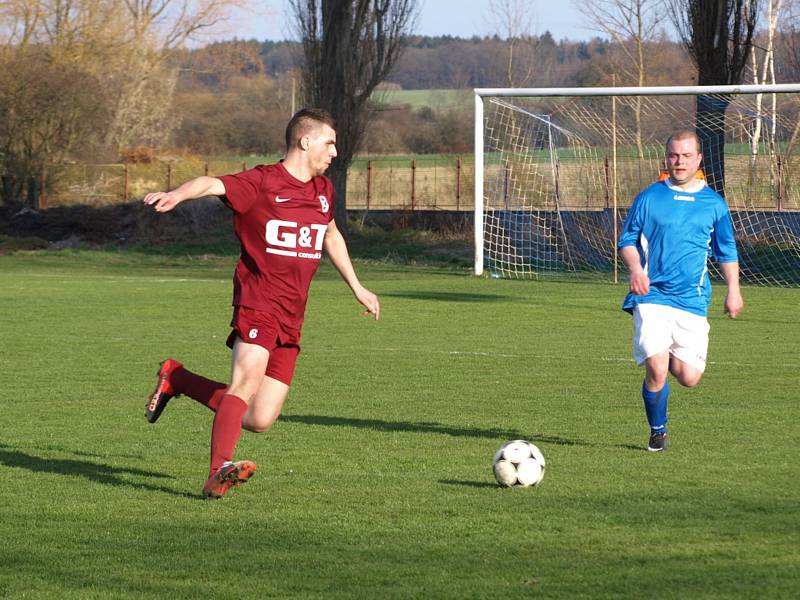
(271,20)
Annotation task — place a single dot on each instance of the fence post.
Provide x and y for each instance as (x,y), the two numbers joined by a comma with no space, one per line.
(458,183)
(43,191)
(608,181)
(369,182)
(169,177)
(558,187)
(205,168)
(506,177)
(435,183)
(413,183)
(779,168)
(33,192)
(124,182)
(244,165)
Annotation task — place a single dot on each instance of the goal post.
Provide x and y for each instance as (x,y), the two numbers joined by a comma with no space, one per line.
(479,204)
(556,170)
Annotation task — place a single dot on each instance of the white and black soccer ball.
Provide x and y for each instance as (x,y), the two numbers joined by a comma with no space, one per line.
(518,463)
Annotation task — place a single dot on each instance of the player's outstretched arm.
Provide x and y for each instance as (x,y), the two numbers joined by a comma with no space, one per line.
(336,249)
(194,188)
(733,300)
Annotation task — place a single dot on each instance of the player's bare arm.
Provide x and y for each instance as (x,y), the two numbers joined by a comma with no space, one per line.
(336,249)
(733,300)
(639,281)
(194,188)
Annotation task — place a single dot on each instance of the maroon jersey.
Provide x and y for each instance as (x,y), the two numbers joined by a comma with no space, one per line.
(281,223)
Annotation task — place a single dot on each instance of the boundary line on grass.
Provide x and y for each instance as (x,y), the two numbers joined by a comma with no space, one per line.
(546,356)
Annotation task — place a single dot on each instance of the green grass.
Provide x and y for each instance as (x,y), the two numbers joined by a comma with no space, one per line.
(417,99)
(376,482)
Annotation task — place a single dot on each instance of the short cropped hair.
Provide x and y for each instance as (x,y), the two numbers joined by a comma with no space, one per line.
(684,134)
(304,120)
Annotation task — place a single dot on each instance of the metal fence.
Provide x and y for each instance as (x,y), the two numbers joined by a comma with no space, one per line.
(423,183)
(437,183)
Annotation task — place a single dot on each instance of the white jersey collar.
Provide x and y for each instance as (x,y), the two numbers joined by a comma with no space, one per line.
(698,185)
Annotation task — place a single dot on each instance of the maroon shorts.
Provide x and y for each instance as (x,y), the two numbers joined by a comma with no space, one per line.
(255,327)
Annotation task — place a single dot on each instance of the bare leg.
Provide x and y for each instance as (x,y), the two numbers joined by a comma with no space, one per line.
(686,375)
(657,368)
(266,405)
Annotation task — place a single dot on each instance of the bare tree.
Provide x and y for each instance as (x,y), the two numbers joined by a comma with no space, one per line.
(789,39)
(765,73)
(18,21)
(513,21)
(125,44)
(719,36)
(141,71)
(349,47)
(46,111)
(631,24)
(789,46)
(50,100)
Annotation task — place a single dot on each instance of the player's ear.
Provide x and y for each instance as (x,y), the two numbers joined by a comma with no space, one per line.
(305,142)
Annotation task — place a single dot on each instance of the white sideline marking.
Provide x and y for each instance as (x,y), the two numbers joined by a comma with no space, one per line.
(542,356)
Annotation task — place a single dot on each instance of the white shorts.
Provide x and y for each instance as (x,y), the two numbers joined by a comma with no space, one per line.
(658,328)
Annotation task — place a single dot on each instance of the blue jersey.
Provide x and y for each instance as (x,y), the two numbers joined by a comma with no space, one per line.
(676,232)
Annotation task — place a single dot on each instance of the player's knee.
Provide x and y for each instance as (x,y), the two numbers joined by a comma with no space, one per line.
(259,421)
(656,378)
(257,426)
(689,380)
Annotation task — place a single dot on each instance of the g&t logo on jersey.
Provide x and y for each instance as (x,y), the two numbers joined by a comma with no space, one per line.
(323,202)
(287,238)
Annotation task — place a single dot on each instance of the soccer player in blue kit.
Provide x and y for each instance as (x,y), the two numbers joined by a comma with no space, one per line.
(672,229)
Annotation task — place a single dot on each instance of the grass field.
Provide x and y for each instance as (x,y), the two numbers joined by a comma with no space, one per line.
(417,99)
(376,482)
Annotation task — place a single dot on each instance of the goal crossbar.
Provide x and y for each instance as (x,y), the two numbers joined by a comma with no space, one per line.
(641,91)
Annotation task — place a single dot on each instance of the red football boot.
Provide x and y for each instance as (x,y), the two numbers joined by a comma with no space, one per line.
(229,475)
(163,392)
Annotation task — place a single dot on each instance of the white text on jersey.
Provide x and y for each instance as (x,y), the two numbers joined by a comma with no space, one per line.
(287,239)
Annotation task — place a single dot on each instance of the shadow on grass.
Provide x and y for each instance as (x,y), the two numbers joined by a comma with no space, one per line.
(426,427)
(94,471)
(632,447)
(395,426)
(449,296)
(58,448)
(473,484)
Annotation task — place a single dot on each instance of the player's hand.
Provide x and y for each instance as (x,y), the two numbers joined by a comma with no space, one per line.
(640,283)
(370,302)
(733,303)
(162,201)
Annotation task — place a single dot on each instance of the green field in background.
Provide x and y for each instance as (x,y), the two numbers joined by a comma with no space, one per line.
(435,99)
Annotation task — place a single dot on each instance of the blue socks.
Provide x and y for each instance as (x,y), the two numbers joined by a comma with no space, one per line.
(655,405)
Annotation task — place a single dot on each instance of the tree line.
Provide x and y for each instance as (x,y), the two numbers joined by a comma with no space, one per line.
(235,95)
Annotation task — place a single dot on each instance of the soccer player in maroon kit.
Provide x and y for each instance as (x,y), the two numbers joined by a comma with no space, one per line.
(283,217)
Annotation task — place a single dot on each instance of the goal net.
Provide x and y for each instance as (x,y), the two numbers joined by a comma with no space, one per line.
(556,171)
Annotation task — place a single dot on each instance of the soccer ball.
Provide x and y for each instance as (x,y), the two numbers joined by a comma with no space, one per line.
(518,463)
